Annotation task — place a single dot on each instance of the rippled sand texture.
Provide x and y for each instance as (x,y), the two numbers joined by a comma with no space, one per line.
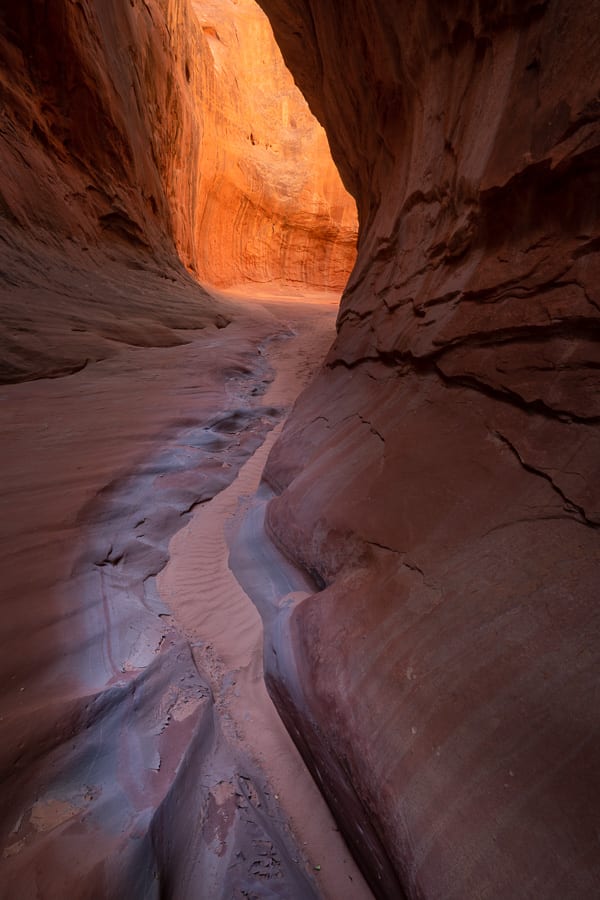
(226,631)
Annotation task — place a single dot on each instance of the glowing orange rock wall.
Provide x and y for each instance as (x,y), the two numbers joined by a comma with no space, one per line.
(271,203)
(137,141)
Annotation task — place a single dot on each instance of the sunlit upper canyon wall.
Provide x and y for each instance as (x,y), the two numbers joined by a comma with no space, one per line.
(152,134)
(271,203)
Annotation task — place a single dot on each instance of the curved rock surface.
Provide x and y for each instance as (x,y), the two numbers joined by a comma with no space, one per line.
(440,476)
(438,480)
(127,762)
(97,123)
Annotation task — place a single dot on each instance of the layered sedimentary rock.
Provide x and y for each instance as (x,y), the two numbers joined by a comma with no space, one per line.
(271,205)
(119,774)
(440,477)
(97,121)
(132,150)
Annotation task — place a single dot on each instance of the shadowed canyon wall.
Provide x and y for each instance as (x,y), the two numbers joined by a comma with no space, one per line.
(135,139)
(440,477)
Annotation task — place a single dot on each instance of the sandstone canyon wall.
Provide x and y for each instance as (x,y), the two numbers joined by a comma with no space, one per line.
(97,121)
(128,160)
(440,477)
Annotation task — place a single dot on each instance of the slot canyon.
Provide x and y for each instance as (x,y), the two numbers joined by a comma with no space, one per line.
(300,449)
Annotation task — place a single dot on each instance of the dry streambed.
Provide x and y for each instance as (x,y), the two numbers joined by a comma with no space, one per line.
(218,615)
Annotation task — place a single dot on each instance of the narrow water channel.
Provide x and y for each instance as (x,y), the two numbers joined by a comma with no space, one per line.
(225,630)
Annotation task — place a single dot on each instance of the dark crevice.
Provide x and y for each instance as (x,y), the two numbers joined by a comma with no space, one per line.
(579,513)
(371,428)
(528,520)
(515,289)
(111,559)
(194,504)
(504,395)
(574,328)
(432,364)
(383,547)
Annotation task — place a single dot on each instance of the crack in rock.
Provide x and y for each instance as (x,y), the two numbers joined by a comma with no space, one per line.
(579,513)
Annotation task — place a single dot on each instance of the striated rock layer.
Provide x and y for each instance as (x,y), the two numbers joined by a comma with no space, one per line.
(271,205)
(98,122)
(440,476)
(120,773)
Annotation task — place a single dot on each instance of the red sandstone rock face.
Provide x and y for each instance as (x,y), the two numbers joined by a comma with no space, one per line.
(125,150)
(440,475)
(95,118)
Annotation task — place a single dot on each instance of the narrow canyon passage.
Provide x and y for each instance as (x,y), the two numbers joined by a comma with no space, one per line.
(143,756)
(405,545)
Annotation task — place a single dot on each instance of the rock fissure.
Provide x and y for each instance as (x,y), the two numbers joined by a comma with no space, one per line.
(372,428)
(535,407)
(579,512)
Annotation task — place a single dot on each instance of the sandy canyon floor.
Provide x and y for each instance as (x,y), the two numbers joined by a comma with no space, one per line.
(142,751)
